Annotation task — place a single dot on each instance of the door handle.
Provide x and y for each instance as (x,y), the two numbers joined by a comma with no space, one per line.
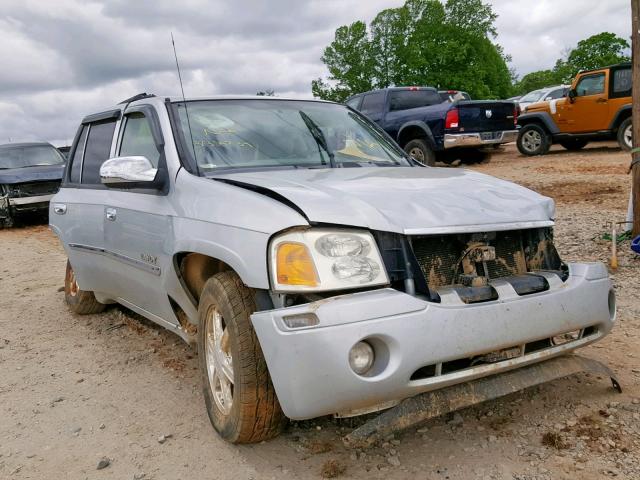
(59,208)
(110,213)
(601,100)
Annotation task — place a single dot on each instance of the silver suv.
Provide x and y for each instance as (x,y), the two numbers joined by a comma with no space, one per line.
(317,267)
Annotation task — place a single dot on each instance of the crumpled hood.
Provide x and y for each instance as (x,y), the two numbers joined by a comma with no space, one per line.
(405,200)
(31,174)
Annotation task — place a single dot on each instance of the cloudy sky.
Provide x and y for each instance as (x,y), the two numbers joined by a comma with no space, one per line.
(63,59)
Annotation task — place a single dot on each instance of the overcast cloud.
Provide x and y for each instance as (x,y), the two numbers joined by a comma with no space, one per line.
(63,59)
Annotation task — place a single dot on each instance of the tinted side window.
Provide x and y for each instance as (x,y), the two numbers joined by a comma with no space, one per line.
(407,99)
(76,161)
(97,150)
(591,85)
(621,83)
(138,139)
(373,103)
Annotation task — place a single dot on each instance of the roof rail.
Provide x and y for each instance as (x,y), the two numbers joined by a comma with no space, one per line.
(139,96)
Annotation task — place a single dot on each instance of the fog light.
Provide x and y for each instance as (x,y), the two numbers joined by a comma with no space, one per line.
(361,358)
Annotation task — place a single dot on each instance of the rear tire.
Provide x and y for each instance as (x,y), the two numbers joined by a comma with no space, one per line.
(625,135)
(420,150)
(80,301)
(533,140)
(238,392)
(573,144)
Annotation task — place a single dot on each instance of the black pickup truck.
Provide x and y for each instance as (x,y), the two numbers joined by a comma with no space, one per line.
(428,128)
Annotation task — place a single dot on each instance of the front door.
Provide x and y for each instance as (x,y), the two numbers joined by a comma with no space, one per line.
(589,111)
(138,226)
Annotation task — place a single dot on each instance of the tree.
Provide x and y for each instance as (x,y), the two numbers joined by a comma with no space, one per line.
(598,51)
(349,61)
(423,42)
(269,92)
(536,80)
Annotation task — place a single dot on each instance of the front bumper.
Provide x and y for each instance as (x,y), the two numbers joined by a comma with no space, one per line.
(310,369)
(479,139)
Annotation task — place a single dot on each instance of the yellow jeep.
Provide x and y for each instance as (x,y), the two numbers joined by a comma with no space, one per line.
(598,107)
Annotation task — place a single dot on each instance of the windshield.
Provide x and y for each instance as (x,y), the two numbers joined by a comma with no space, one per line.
(533,96)
(29,156)
(281,133)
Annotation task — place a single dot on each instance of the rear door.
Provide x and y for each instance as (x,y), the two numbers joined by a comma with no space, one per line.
(373,106)
(619,89)
(589,111)
(138,224)
(78,209)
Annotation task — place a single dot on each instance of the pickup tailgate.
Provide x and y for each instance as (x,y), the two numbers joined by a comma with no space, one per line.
(486,116)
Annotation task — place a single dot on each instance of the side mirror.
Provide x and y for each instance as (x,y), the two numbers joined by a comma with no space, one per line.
(572,94)
(129,172)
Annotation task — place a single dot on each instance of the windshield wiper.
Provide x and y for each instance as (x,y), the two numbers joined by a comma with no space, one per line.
(318,136)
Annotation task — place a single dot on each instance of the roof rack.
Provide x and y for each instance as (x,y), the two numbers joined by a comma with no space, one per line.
(139,96)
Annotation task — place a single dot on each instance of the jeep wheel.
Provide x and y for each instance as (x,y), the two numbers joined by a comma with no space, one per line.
(573,144)
(625,135)
(80,301)
(533,140)
(239,396)
(421,151)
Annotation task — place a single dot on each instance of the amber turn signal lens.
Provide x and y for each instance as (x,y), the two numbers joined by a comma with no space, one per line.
(294,265)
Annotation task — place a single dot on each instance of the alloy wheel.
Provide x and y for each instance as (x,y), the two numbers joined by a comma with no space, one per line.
(219,361)
(532,140)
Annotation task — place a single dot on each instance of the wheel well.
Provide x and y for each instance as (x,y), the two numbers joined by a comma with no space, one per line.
(534,122)
(195,269)
(621,118)
(411,133)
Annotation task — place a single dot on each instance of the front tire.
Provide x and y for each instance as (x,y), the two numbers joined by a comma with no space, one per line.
(574,144)
(625,135)
(533,140)
(421,151)
(238,392)
(82,302)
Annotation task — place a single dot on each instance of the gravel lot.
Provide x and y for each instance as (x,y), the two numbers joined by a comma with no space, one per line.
(76,390)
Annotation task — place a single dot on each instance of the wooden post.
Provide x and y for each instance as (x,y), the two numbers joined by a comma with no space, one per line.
(635,169)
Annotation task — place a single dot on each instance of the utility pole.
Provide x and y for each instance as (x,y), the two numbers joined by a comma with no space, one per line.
(635,152)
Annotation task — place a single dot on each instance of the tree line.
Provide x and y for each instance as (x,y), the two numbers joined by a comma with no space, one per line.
(446,44)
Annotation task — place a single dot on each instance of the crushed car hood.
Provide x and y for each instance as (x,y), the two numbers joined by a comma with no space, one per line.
(403,199)
(31,174)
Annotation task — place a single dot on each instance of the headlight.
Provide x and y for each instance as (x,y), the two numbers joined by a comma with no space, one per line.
(321,260)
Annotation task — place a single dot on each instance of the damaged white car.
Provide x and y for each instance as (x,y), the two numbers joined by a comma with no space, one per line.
(319,269)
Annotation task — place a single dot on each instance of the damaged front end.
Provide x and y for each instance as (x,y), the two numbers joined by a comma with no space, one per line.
(20,198)
(459,307)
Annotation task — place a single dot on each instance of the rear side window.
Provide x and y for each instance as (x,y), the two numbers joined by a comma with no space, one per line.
(97,150)
(621,83)
(372,103)
(407,99)
(353,103)
(137,139)
(591,85)
(76,161)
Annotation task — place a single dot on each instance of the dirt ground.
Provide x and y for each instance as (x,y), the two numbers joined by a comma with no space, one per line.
(75,390)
